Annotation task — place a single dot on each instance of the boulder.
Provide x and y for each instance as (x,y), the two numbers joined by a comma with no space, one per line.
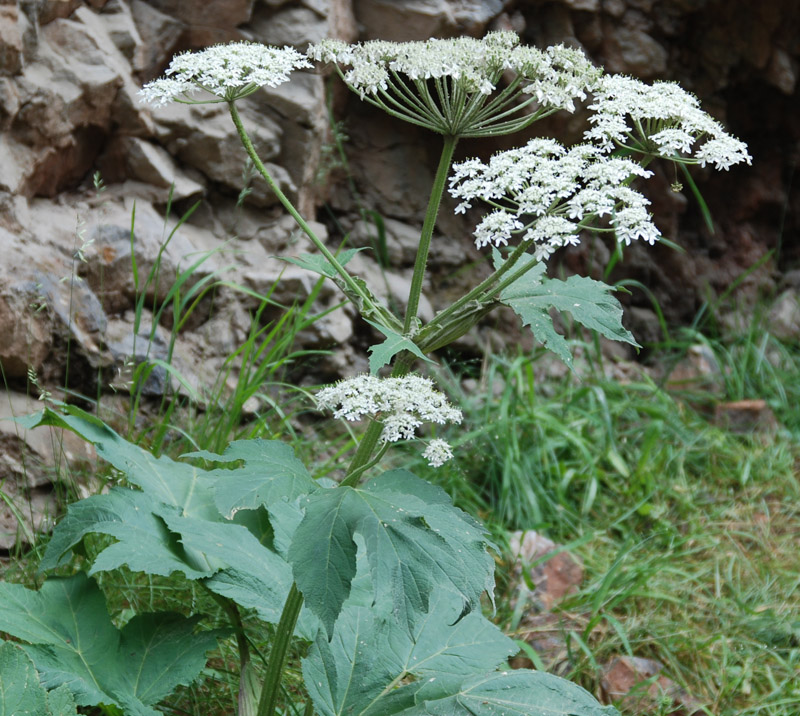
(204,137)
(10,40)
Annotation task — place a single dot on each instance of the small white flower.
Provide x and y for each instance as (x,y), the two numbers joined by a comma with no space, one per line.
(463,73)
(545,192)
(227,71)
(663,118)
(438,453)
(400,404)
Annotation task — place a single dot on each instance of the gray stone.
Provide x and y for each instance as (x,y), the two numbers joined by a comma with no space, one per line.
(10,40)
(160,35)
(782,71)
(205,138)
(583,5)
(784,316)
(297,26)
(121,27)
(149,163)
(403,21)
(9,103)
(633,51)
(26,327)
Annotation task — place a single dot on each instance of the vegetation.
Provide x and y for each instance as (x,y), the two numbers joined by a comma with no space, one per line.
(350,597)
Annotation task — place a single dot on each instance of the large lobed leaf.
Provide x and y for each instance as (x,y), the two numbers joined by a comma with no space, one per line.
(350,673)
(73,643)
(588,301)
(21,694)
(174,523)
(503,693)
(415,539)
(269,472)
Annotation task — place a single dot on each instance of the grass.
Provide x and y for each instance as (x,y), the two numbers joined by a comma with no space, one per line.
(688,533)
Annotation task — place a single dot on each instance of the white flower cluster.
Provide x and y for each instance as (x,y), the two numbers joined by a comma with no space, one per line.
(228,71)
(663,117)
(400,404)
(546,191)
(556,77)
(437,453)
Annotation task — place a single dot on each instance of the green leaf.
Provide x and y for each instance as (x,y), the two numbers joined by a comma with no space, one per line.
(73,643)
(512,693)
(319,264)
(176,526)
(415,539)
(533,295)
(349,674)
(382,353)
(20,690)
(166,481)
(269,472)
(145,543)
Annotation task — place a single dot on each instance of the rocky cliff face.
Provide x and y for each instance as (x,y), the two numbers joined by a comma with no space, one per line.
(69,76)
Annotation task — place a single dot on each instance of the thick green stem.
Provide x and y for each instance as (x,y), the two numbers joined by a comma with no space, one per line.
(427,230)
(481,291)
(278,653)
(287,204)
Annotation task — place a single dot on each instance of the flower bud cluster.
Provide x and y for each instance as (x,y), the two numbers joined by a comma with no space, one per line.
(400,404)
(545,192)
(228,71)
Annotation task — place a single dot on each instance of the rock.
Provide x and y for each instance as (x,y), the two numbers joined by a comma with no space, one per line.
(547,634)
(400,22)
(130,349)
(392,167)
(697,371)
(639,686)
(421,19)
(615,8)
(633,51)
(10,40)
(299,110)
(223,14)
(745,416)
(554,578)
(121,27)
(204,137)
(583,5)
(131,157)
(25,326)
(160,34)
(109,269)
(30,462)
(40,453)
(9,103)
(297,26)
(49,10)
(784,316)
(782,71)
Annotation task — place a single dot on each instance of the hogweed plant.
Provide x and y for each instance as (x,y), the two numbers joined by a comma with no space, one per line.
(378,579)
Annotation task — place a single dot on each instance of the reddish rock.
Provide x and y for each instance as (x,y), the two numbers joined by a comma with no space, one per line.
(637,684)
(557,576)
(745,416)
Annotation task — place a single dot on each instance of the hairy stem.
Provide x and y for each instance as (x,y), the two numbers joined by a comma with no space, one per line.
(287,204)
(277,655)
(427,230)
